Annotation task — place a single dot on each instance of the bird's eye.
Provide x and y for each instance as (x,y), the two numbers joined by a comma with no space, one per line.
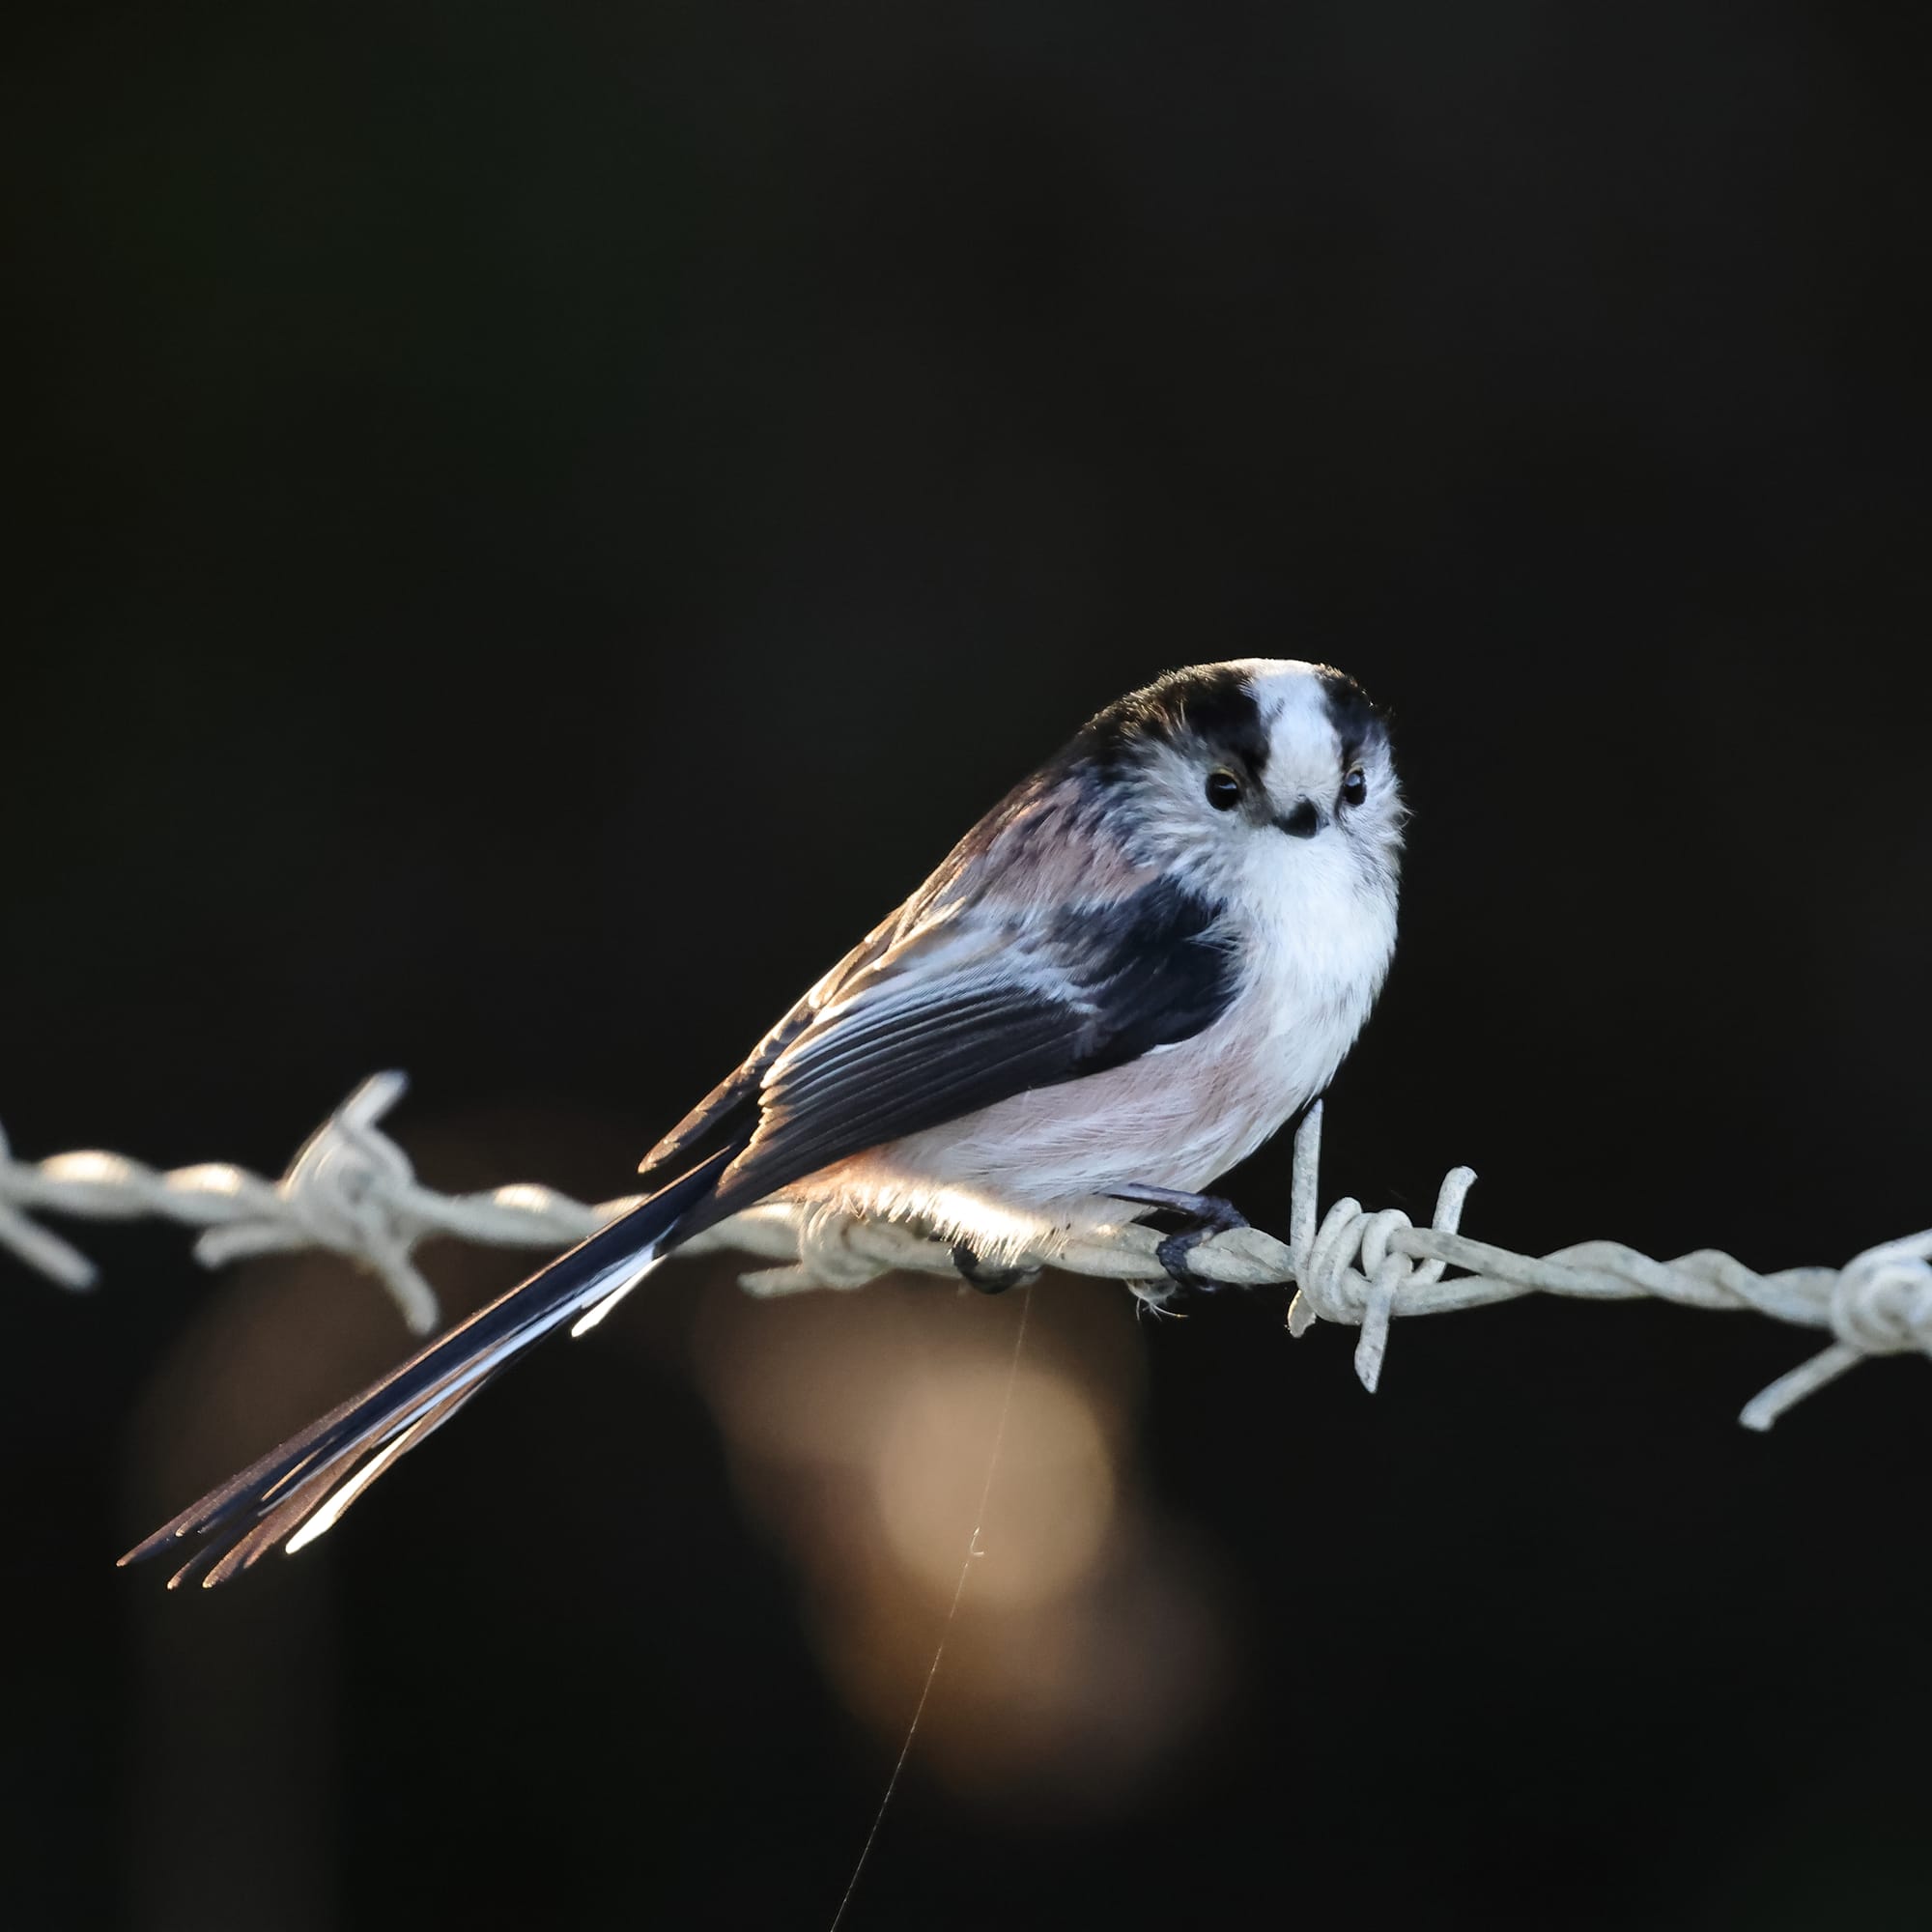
(1356,786)
(1224,790)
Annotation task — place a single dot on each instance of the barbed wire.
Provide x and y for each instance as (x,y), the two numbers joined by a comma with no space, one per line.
(353,1191)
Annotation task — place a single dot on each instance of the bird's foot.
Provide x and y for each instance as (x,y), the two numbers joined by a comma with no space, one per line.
(1199,1215)
(986,1278)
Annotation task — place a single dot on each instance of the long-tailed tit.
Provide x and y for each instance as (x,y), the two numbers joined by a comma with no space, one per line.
(1134,969)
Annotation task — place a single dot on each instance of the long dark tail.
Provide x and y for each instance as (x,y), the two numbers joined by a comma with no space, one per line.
(295,1493)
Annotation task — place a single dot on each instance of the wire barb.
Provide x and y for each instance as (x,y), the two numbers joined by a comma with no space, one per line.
(352,1190)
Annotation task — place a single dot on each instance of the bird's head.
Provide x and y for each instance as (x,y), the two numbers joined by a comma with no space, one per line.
(1255,771)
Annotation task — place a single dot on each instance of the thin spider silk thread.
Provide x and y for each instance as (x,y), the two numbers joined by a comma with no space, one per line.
(952,1611)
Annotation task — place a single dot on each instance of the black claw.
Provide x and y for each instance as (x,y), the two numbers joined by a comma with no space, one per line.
(1173,1253)
(988,1280)
(1201,1214)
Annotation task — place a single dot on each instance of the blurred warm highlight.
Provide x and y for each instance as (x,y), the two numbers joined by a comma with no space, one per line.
(931,1471)
(1088,1646)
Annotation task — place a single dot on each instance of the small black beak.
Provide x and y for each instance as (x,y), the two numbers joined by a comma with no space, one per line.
(1305,821)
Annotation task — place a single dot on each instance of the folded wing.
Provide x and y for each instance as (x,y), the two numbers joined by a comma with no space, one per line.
(978,1009)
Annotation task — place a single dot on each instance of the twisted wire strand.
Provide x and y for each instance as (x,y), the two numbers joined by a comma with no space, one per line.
(352,1190)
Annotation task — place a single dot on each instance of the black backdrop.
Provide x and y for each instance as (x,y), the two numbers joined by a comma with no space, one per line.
(535,526)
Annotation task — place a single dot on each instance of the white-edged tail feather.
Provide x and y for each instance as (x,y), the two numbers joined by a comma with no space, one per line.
(301,1491)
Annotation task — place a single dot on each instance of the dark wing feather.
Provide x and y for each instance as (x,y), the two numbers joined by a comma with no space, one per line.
(908,938)
(723,1110)
(970,1013)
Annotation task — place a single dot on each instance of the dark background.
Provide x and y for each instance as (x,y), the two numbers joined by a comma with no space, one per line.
(534,526)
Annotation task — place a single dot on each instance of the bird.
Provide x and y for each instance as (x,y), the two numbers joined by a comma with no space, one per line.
(1142,962)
